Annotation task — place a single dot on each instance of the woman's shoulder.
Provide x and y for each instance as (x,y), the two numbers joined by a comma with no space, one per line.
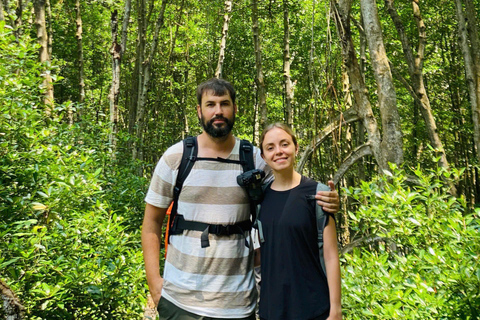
(308,181)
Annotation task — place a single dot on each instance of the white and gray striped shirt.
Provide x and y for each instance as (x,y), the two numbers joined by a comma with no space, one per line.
(216,281)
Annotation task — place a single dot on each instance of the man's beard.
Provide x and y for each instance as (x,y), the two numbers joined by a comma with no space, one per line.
(217,132)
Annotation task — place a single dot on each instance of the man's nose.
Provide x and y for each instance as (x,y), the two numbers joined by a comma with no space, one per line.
(218,109)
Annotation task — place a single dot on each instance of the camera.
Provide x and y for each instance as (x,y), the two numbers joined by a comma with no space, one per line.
(252,182)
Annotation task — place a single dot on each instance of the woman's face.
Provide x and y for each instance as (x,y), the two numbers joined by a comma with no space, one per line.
(279,151)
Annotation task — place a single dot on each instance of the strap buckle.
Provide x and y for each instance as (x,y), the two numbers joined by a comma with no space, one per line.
(218,229)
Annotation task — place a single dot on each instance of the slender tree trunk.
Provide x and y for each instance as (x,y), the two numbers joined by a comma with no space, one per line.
(415,68)
(287,82)
(312,83)
(144,85)
(362,104)
(469,73)
(186,129)
(223,42)
(2,16)
(360,128)
(260,81)
(116,51)
(18,20)
(78,35)
(392,144)
(138,73)
(49,27)
(42,36)
(475,45)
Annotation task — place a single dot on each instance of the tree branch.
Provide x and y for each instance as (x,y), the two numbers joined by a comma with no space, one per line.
(358,153)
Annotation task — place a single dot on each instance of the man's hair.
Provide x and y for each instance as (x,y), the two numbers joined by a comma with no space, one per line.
(278,125)
(219,87)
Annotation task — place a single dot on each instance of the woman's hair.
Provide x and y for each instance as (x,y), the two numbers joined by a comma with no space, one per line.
(279,125)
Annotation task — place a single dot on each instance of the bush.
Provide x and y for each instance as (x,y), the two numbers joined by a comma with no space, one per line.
(66,251)
(424,262)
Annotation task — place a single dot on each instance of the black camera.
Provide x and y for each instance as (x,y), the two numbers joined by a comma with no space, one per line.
(252,182)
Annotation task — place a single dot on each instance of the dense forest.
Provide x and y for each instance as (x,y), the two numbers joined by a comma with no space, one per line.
(384,97)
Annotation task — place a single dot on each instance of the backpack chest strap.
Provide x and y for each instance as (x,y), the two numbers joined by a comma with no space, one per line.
(180,224)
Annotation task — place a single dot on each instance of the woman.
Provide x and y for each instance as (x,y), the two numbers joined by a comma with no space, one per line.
(294,285)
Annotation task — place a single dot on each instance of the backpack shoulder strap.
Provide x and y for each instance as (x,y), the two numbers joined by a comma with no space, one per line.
(246,159)
(189,157)
(257,223)
(246,155)
(322,221)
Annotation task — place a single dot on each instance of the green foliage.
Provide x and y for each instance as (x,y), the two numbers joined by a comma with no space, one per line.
(421,260)
(70,248)
(83,267)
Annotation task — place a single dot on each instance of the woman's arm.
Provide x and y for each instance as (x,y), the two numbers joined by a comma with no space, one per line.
(332,266)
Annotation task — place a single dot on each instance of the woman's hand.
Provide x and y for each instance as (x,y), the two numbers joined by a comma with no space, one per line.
(329,200)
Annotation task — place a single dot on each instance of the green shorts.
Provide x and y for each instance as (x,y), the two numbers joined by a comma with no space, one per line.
(169,311)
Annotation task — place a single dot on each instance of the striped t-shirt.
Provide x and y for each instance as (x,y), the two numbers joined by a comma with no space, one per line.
(216,281)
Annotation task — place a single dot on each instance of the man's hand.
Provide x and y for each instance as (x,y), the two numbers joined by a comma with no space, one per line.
(329,200)
(156,291)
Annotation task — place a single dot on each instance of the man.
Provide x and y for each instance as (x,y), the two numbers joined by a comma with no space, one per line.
(216,281)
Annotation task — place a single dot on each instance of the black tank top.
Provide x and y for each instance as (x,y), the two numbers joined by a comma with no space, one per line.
(293,286)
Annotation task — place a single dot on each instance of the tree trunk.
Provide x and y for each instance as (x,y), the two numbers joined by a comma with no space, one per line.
(287,82)
(138,74)
(2,16)
(362,104)
(18,20)
(223,42)
(469,74)
(415,69)
(312,83)
(126,20)
(392,144)
(475,44)
(78,35)
(144,85)
(116,51)
(42,36)
(12,308)
(260,81)
(49,27)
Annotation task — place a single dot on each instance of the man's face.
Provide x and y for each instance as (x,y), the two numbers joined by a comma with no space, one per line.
(216,114)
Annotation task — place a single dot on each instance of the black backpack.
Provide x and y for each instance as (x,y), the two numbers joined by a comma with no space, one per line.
(177,223)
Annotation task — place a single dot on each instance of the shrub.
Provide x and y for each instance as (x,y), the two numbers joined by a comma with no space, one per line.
(424,263)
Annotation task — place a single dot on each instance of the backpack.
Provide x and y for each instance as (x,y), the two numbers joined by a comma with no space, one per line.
(321,218)
(176,223)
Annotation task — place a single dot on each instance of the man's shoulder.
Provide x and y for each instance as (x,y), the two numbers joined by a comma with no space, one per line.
(173,155)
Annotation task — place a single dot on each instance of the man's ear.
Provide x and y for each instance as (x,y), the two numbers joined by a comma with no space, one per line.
(199,111)
(235,109)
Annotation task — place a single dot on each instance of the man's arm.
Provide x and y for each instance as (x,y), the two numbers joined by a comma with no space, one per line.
(329,200)
(151,240)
